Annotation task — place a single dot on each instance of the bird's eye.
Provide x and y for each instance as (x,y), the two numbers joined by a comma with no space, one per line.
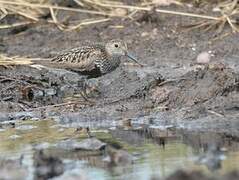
(116,45)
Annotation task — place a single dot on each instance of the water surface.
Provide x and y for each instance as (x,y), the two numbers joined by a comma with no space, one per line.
(156,152)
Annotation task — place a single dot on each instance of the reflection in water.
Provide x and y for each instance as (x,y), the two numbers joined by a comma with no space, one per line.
(155,152)
(212,158)
(201,148)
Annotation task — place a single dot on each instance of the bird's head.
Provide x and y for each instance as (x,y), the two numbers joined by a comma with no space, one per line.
(118,48)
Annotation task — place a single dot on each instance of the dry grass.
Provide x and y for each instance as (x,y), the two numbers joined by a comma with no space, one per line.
(105,10)
(11,61)
(33,11)
(228,11)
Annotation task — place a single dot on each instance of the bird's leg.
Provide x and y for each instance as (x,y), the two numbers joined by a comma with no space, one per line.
(84,131)
(84,91)
(88,89)
(84,95)
(88,132)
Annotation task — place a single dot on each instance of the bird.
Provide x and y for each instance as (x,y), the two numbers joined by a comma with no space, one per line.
(94,60)
(91,60)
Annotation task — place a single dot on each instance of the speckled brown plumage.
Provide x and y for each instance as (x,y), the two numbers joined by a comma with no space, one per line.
(94,59)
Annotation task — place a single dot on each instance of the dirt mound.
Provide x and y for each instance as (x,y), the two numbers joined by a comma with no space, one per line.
(34,87)
(213,86)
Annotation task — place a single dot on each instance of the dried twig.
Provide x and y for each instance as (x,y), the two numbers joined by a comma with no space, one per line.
(60,26)
(62,104)
(45,6)
(87,23)
(6,26)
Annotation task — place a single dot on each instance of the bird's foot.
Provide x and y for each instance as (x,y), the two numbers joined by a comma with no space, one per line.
(90,90)
(85,131)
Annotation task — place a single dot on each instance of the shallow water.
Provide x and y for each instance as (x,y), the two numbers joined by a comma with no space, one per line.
(156,152)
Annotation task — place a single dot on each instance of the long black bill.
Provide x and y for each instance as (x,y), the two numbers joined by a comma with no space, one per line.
(134,59)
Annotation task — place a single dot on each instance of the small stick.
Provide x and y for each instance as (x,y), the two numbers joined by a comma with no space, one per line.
(22,14)
(60,26)
(54,7)
(87,23)
(58,105)
(15,25)
(160,11)
(215,113)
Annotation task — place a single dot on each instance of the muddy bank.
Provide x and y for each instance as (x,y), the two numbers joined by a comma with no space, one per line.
(205,97)
(157,111)
(200,99)
(194,97)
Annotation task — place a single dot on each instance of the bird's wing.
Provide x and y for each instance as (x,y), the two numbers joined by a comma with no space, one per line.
(81,59)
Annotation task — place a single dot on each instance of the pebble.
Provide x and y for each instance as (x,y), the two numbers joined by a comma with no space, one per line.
(203,58)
